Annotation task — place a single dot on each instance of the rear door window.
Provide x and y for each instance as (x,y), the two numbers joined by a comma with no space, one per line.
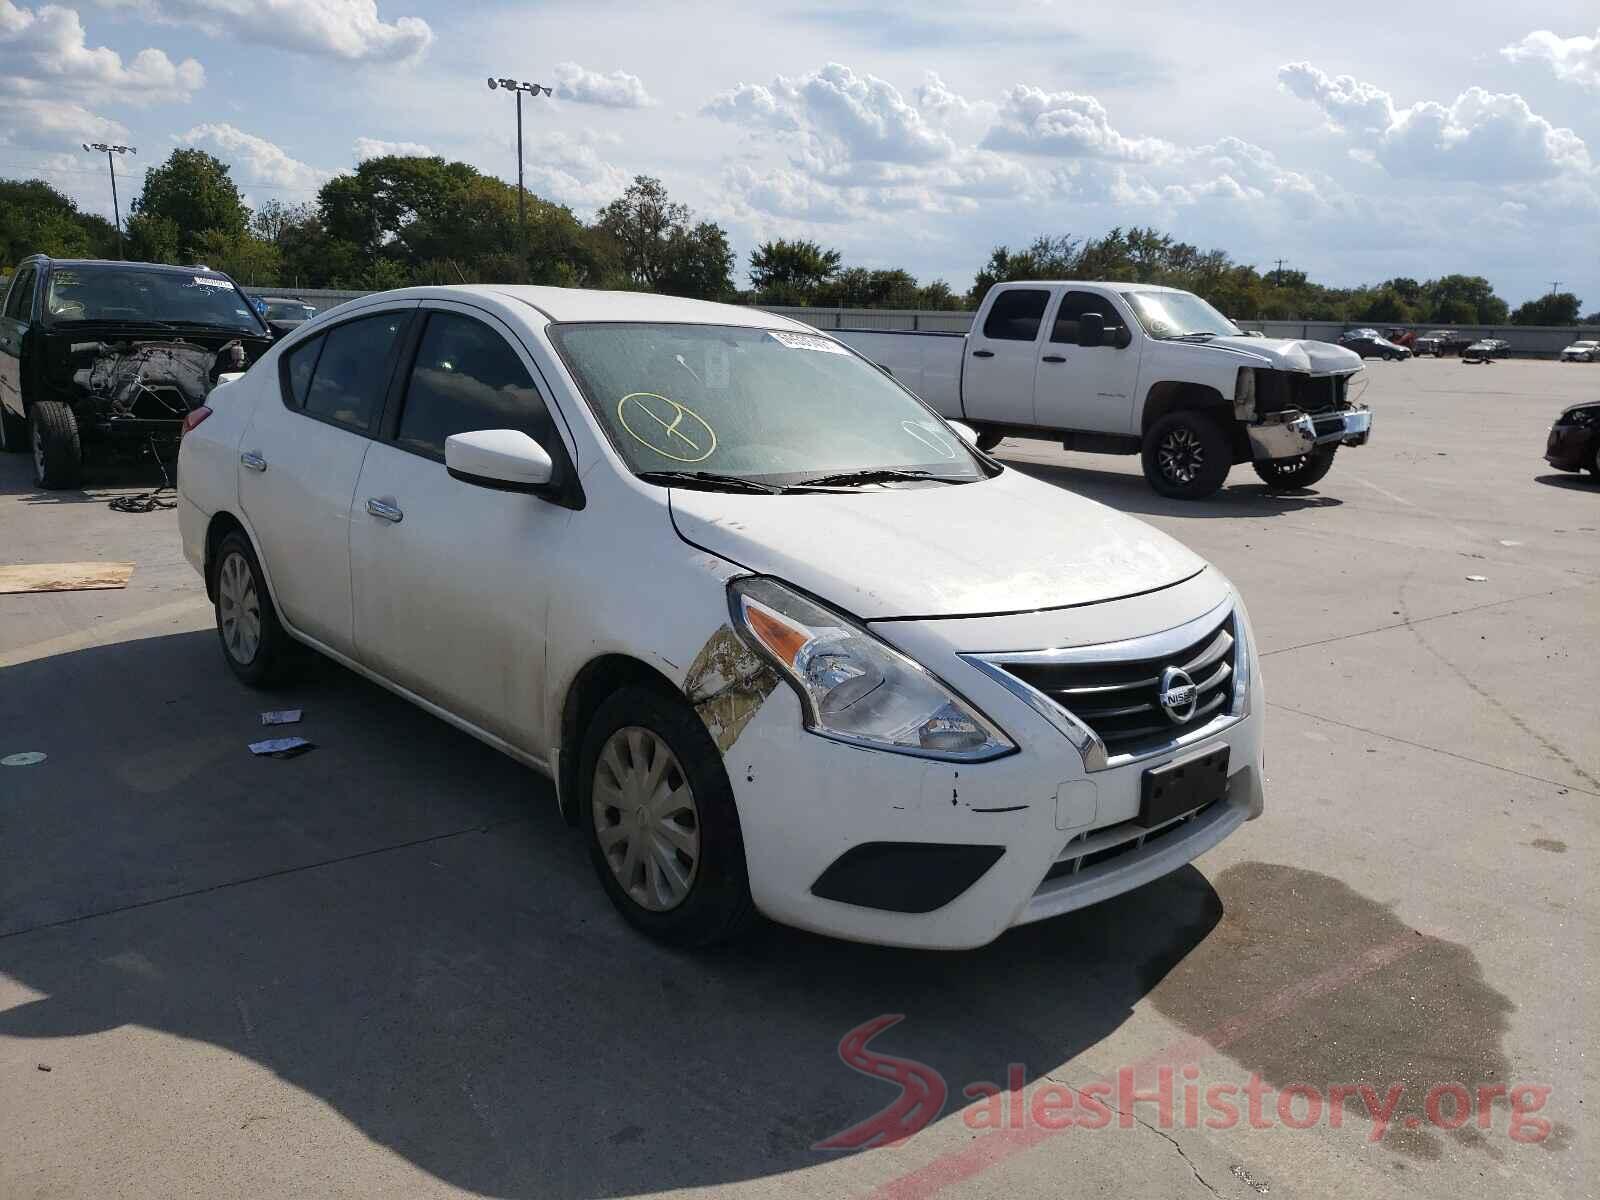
(1015,315)
(352,371)
(19,301)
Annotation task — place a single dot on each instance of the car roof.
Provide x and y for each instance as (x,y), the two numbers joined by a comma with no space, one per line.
(590,304)
(1114,284)
(173,268)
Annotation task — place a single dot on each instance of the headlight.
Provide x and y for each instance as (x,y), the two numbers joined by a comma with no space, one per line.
(853,687)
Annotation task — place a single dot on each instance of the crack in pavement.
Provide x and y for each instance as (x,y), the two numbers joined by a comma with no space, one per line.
(1138,1120)
(282,871)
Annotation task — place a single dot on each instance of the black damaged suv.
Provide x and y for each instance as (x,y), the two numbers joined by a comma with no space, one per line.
(114,356)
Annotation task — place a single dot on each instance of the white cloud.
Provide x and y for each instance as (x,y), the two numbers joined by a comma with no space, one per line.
(567,169)
(1483,137)
(45,52)
(1034,121)
(48,124)
(1574,59)
(841,117)
(616,90)
(256,160)
(366,148)
(345,29)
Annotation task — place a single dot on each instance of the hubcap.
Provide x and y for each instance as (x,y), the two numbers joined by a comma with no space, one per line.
(645,818)
(238,609)
(1181,456)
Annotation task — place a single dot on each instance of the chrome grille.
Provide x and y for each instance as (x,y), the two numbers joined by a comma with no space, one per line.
(1118,698)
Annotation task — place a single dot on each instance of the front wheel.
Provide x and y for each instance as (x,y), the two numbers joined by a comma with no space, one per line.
(1301,471)
(57,452)
(660,818)
(1186,455)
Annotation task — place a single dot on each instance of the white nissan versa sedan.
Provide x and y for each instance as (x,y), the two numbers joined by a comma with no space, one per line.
(784,640)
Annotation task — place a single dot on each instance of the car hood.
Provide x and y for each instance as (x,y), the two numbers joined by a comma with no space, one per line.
(1277,354)
(1001,545)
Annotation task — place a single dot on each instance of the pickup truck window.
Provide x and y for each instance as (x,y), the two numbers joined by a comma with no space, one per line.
(1178,314)
(1015,315)
(19,301)
(114,292)
(1074,305)
(773,405)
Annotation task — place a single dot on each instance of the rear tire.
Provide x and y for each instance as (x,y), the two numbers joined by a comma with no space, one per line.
(1290,474)
(254,643)
(1186,455)
(686,882)
(14,432)
(57,452)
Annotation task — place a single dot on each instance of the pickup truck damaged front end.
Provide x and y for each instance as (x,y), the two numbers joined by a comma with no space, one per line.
(1287,414)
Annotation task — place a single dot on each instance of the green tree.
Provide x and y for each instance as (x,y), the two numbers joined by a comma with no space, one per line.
(152,238)
(1464,299)
(699,264)
(1046,258)
(251,261)
(37,219)
(785,272)
(1557,308)
(194,191)
(657,248)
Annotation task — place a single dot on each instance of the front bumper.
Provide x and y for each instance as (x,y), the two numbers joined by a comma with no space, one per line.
(1291,434)
(819,817)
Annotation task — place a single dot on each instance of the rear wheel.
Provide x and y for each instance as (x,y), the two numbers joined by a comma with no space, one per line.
(254,643)
(660,818)
(1287,474)
(57,452)
(1186,455)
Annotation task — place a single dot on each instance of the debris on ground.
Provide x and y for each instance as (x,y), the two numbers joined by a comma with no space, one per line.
(1477,579)
(285,716)
(291,747)
(45,1067)
(26,758)
(64,577)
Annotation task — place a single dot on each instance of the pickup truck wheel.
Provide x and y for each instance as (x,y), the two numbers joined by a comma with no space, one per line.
(1186,455)
(1287,474)
(13,432)
(57,453)
(660,820)
(254,643)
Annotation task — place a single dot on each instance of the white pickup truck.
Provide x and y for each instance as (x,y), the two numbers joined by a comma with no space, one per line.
(1128,368)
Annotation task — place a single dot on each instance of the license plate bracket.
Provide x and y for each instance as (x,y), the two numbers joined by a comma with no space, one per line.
(1179,787)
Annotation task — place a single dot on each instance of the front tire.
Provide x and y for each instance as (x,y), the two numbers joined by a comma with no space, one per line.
(660,819)
(1186,455)
(254,643)
(1302,471)
(57,452)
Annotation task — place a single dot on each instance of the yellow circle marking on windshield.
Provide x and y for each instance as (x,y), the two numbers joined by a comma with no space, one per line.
(667,427)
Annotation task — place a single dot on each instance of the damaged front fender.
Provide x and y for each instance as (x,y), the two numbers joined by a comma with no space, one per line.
(728,683)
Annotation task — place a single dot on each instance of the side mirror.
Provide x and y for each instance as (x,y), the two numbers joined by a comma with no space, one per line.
(1091,330)
(507,460)
(967,432)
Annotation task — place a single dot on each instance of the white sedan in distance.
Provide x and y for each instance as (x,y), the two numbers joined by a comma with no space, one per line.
(785,642)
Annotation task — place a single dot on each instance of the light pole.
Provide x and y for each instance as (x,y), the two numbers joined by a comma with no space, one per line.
(511,85)
(111,162)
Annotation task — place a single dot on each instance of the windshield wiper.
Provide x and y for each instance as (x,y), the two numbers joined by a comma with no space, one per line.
(1189,337)
(874,475)
(709,481)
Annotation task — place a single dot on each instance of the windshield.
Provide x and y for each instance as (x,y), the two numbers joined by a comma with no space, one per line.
(117,293)
(289,311)
(1177,314)
(775,406)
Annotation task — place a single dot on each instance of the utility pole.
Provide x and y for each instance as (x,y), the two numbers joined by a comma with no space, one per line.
(511,85)
(1555,285)
(1277,275)
(111,163)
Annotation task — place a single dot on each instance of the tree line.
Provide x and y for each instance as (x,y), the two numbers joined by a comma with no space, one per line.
(398,220)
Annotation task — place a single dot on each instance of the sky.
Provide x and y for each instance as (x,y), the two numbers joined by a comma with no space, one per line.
(1356,141)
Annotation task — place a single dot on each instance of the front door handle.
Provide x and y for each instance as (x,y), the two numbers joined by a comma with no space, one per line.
(1055,358)
(253,461)
(385,509)
(983,354)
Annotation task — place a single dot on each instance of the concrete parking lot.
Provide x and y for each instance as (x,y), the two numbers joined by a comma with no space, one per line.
(384,967)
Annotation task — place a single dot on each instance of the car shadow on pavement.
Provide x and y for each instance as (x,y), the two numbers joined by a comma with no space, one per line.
(101,481)
(400,925)
(1130,493)
(1573,482)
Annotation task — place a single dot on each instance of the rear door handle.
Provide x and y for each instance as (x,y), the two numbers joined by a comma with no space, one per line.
(983,354)
(253,461)
(385,509)
(1055,358)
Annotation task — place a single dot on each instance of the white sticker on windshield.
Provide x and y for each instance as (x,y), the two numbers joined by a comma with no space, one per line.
(216,283)
(806,341)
